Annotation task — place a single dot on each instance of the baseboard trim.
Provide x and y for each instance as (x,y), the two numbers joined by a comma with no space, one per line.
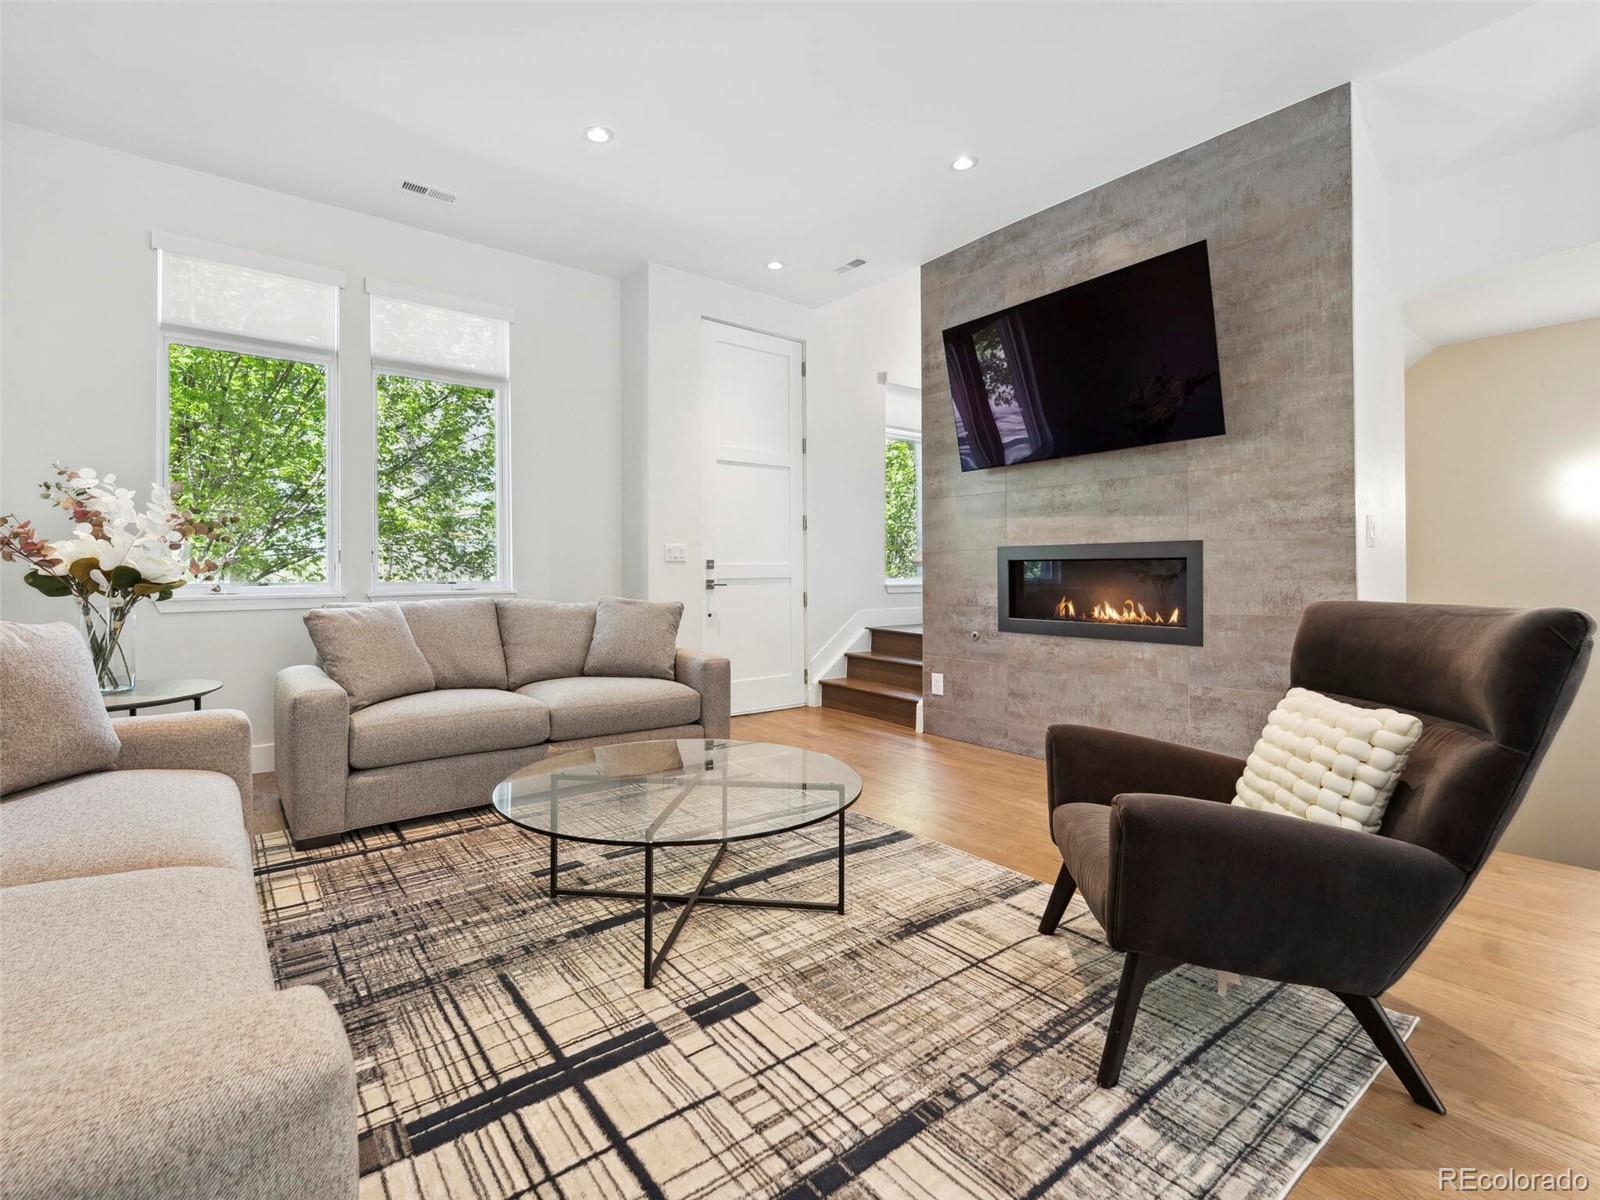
(262,758)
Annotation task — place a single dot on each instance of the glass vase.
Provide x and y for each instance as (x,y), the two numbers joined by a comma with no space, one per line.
(108,628)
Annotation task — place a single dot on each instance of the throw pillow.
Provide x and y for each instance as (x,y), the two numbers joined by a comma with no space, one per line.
(637,638)
(53,723)
(1328,761)
(368,650)
(545,640)
(460,639)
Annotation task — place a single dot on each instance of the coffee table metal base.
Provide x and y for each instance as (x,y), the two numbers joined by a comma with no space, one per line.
(653,958)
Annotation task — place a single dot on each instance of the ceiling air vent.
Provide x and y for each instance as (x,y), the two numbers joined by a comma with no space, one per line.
(850,266)
(431,193)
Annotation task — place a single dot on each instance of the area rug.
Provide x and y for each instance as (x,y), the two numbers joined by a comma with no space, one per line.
(926,1044)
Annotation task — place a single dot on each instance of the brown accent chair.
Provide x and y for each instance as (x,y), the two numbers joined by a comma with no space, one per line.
(1175,874)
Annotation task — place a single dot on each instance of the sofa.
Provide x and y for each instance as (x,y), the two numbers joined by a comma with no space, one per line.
(422,707)
(143,1047)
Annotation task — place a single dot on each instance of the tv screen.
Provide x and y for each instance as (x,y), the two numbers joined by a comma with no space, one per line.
(1124,359)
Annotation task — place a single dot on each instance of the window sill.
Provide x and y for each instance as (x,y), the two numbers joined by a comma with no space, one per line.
(899,586)
(216,602)
(424,592)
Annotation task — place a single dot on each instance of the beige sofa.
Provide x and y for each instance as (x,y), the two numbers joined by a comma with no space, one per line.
(508,689)
(144,1050)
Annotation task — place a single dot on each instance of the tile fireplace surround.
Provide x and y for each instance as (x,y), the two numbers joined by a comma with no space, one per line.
(1273,500)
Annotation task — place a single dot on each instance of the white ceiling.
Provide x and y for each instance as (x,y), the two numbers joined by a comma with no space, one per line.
(810,133)
(1490,150)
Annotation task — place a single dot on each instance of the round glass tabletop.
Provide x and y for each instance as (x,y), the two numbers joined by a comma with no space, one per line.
(678,793)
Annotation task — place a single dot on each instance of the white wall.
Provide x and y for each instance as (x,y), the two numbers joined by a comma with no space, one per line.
(1378,340)
(78,380)
(1504,473)
(854,340)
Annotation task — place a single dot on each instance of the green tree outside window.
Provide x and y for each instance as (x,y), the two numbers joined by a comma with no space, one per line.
(437,483)
(247,441)
(901,535)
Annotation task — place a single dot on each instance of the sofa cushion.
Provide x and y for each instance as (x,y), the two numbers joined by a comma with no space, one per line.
(368,650)
(122,821)
(585,707)
(634,638)
(544,640)
(443,724)
(53,723)
(460,639)
(108,952)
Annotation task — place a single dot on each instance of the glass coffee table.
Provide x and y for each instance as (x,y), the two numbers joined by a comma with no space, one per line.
(679,793)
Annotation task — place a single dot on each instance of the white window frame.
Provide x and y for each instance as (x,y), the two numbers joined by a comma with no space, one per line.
(381,365)
(892,433)
(264,595)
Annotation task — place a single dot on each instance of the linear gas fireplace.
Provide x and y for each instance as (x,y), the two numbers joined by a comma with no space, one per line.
(1135,591)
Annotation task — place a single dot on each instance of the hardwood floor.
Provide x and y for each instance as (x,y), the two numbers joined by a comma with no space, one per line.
(1508,992)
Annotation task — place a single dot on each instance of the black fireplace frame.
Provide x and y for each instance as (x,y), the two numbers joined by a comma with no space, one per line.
(1192,633)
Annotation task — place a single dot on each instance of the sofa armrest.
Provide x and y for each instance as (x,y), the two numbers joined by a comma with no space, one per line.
(311,752)
(256,1102)
(710,675)
(1265,894)
(218,740)
(1088,765)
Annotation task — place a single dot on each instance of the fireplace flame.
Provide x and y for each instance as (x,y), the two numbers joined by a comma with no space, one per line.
(1131,613)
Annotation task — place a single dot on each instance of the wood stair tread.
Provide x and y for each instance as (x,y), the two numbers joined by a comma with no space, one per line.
(876,688)
(876,656)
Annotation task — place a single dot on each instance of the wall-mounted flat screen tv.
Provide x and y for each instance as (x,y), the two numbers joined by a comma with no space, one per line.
(1125,359)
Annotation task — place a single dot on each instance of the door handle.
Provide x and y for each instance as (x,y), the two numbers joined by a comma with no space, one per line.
(712,583)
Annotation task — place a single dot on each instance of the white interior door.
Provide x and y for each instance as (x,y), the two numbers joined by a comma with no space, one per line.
(754,521)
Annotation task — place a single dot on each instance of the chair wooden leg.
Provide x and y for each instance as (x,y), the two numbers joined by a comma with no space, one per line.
(1137,971)
(1376,1022)
(1057,904)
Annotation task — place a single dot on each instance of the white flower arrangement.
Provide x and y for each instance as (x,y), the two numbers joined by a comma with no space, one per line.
(116,556)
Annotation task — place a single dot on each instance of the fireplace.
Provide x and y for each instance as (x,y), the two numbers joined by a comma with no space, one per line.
(1133,591)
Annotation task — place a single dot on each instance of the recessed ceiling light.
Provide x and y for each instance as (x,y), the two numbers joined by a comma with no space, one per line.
(597,133)
(963,162)
(774,265)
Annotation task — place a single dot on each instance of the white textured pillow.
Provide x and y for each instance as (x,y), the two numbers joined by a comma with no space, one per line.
(1328,761)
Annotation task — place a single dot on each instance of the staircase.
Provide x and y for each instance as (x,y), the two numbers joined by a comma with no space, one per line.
(883,682)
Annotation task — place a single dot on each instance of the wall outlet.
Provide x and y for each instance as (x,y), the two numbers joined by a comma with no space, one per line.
(938,683)
(1372,530)
(677,552)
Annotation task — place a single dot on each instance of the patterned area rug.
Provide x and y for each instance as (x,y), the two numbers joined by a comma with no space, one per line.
(926,1044)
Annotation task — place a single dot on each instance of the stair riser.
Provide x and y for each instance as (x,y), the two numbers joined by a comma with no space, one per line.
(906,675)
(865,704)
(901,645)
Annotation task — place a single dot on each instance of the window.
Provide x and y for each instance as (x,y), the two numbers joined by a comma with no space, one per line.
(249,379)
(439,380)
(902,506)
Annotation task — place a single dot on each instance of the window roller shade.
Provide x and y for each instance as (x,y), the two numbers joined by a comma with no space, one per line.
(409,333)
(223,298)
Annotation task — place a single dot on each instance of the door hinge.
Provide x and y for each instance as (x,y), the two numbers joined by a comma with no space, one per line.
(802,368)
(805,599)
(802,445)
(805,675)
(805,522)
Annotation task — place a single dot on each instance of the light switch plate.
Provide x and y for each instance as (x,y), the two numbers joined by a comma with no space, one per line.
(677,552)
(938,683)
